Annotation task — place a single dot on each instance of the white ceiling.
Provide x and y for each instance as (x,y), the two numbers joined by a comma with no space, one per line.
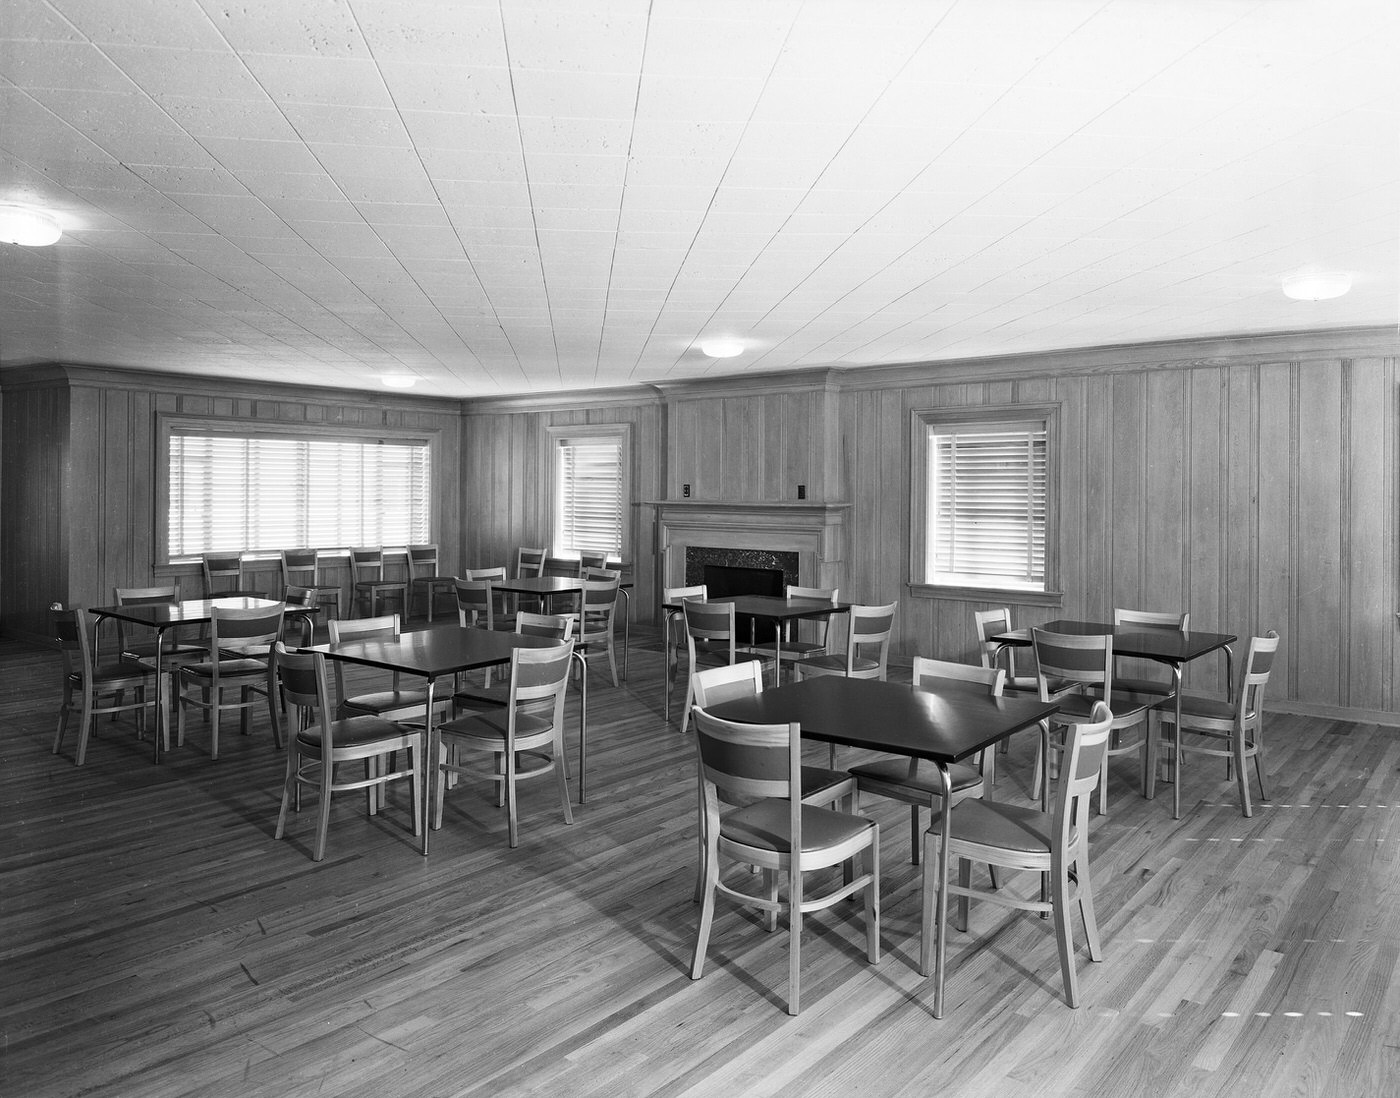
(532,195)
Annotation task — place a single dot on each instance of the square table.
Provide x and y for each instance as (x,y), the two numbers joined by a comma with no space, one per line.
(165,616)
(546,587)
(943,726)
(1167,646)
(432,654)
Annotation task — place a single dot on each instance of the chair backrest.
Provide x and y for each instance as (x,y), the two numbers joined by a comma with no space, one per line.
(871,625)
(537,674)
(1254,676)
(142,596)
(680,594)
(234,632)
(991,623)
(711,622)
(828,594)
(303,678)
(602,574)
(367,563)
(587,559)
(747,761)
(301,568)
(928,674)
(599,598)
(474,602)
(73,630)
(222,566)
(1065,659)
(1085,745)
(558,626)
(348,629)
(529,563)
(496,573)
(714,685)
(423,561)
(1149,621)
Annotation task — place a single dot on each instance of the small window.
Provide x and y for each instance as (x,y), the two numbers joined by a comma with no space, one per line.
(263,493)
(590,489)
(982,489)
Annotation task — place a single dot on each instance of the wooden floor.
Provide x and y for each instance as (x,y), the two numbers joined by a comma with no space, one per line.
(157,940)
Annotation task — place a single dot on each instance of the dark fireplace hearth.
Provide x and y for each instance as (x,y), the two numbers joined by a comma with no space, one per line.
(726,571)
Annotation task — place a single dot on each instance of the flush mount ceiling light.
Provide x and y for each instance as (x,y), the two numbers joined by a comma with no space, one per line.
(1309,285)
(722,348)
(32,228)
(399,381)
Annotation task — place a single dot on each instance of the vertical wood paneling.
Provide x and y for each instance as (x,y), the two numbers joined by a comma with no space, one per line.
(1274,576)
(1369,578)
(1318,531)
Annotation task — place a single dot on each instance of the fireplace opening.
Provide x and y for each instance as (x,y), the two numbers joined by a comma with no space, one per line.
(723,579)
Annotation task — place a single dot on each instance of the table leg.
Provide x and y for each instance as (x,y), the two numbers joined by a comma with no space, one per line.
(431,778)
(944,850)
(778,657)
(582,725)
(162,730)
(1176,746)
(626,628)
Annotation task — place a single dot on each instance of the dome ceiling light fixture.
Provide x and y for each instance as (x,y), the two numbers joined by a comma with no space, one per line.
(399,381)
(722,348)
(30,227)
(1314,285)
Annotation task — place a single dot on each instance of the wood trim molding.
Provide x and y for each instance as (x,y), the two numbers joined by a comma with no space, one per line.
(590,399)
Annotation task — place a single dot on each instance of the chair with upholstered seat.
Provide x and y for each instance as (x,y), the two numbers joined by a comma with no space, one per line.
(525,737)
(992,623)
(753,813)
(673,632)
(502,615)
(1066,660)
(240,659)
(867,650)
(529,564)
(226,577)
(1147,621)
(372,586)
(302,568)
(1230,729)
(797,648)
(917,782)
(1053,843)
(710,636)
(424,577)
(395,703)
(598,609)
(325,741)
(88,680)
(559,627)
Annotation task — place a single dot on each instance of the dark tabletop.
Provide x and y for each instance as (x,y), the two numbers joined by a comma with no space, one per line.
(543,585)
(944,726)
(774,607)
(1166,645)
(190,611)
(433,653)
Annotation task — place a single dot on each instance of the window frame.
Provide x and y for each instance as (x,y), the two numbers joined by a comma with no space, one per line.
(554,436)
(923,422)
(171,424)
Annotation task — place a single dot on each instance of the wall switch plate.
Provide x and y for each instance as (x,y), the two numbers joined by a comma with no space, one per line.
(801,491)
(685,490)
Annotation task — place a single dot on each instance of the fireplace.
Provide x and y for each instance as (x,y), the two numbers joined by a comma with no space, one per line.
(742,572)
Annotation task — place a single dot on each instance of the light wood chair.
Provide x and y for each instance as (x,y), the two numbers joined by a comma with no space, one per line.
(870,630)
(558,627)
(371,586)
(992,623)
(1064,661)
(502,614)
(241,658)
(315,749)
(302,568)
(528,730)
(916,782)
(795,648)
(529,564)
(758,769)
(599,607)
(1233,730)
(673,632)
(1053,843)
(1147,621)
(710,635)
(225,576)
(88,680)
(424,578)
(396,703)
(137,643)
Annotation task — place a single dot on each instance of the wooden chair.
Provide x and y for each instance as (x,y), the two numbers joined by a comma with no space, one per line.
(137,643)
(710,635)
(870,626)
(559,627)
(396,703)
(424,576)
(1147,621)
(758,770)
(370,585)
(87,680)
(588,558)
(529,729)
(916,782)
(529,564)
(795,648)
(673,632)
(302,568)
(224,577)
(1233,730)
(304,624)
(1064,661)
(992,623)
(502,615)
(315,749)
(599,606)
(240,658)
(1053,842)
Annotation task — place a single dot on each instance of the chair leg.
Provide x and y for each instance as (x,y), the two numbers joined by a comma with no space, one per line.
(289,784)
(512,824)
(1086,904)
(964,901)
(794,940)
(85,727)
(914,835)
(1063,937)
(323,810)
(709,877)
(872,902)
(559,776)
(416,759)
(1241,771)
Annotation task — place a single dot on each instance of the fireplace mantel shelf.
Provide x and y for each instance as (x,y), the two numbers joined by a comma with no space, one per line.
(813,529)
(795,505)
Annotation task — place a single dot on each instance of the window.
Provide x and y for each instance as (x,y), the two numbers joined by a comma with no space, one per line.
(590,490)
(266,492)
(982,489)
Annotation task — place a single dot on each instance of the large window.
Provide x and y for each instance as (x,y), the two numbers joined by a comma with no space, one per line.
(982,505)
(266,492)
(589,490)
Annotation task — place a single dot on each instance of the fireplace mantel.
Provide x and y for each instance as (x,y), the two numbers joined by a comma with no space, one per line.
(815,530)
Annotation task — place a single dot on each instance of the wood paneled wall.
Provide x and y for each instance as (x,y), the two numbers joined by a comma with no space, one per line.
(1254,487)
(79,464)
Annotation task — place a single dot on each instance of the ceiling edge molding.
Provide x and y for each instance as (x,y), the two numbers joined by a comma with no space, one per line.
(756,384)
(630,396)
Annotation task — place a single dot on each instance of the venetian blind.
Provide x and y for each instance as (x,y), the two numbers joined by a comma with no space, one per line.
(588,504)
(263,494)
(987,505)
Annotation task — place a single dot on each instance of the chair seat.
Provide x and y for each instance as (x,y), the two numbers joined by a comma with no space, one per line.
(386,700)
(836,664)
(1079,708)
(228,669)
(483,695)
(1196,708)
(792,650)
(816,779)
(355,732)
(765,825)
(925,779)
(1152,687)
(490,727)
(1004,826)
(111,675)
